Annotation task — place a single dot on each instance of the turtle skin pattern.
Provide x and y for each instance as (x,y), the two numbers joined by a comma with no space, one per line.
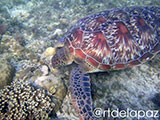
(117,38)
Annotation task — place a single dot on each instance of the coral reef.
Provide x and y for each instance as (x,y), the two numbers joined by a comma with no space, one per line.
(27,28)
(35,94)
(21,100)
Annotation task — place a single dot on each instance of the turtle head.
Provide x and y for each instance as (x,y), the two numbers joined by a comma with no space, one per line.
(62,57)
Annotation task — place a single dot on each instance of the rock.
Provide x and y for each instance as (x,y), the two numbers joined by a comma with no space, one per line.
(51,82)
(58,32)
(156,99)
(3,28)
(64,21)
(20,13)
(45,70)
(50,27)
(67,110)
(6,72)
(49,51)
(132,88)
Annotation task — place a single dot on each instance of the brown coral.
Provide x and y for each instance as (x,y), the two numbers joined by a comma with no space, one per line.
(21,100)
(3,29)
(7,72)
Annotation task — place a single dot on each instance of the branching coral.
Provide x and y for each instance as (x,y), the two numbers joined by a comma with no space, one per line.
(21,100)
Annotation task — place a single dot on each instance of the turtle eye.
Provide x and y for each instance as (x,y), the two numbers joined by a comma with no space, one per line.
(58,48)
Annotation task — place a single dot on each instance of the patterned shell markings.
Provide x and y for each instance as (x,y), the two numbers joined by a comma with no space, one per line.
(115,39)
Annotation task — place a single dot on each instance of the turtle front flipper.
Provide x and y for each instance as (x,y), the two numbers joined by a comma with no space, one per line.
(81,93)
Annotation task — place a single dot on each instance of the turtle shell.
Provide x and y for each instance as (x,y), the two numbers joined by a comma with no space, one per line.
(116,38)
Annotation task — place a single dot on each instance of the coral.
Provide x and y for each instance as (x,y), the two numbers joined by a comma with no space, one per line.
(6,72)
(37,22)
(50,51)
(3,29)
(42,77)
(21,100)
(35,94)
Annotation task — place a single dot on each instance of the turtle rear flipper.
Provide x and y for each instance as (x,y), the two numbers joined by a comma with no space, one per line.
(81,93)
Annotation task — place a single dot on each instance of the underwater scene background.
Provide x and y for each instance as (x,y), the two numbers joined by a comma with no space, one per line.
(29,88)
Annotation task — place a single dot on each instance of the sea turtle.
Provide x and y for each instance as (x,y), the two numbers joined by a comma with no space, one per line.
(109,40)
